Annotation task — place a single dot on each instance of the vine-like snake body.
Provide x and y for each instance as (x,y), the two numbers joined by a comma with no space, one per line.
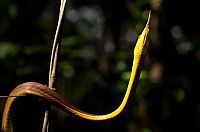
(53,98)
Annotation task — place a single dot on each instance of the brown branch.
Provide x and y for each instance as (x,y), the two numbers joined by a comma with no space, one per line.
(54,58)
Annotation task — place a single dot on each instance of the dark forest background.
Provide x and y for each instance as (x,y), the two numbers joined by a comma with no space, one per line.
(96,58)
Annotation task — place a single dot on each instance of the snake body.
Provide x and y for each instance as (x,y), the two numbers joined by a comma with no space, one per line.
(53,98)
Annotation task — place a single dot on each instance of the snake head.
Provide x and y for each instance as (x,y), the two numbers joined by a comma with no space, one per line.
(141,46)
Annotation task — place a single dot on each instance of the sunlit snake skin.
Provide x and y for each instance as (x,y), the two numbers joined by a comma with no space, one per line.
(53,98)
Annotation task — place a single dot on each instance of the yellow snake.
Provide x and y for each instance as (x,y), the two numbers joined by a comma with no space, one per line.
(43,92)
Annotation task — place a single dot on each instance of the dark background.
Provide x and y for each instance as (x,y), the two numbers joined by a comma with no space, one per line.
(96,59)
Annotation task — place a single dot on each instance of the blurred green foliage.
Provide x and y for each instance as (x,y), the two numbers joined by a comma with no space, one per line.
(96,58)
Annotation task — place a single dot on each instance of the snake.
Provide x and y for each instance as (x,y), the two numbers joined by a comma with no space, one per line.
(53,98)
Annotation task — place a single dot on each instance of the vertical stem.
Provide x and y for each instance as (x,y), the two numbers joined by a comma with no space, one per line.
(54,59)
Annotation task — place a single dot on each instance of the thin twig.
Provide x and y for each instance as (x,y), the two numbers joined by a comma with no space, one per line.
(12,96)
(54,58)
(56,43)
